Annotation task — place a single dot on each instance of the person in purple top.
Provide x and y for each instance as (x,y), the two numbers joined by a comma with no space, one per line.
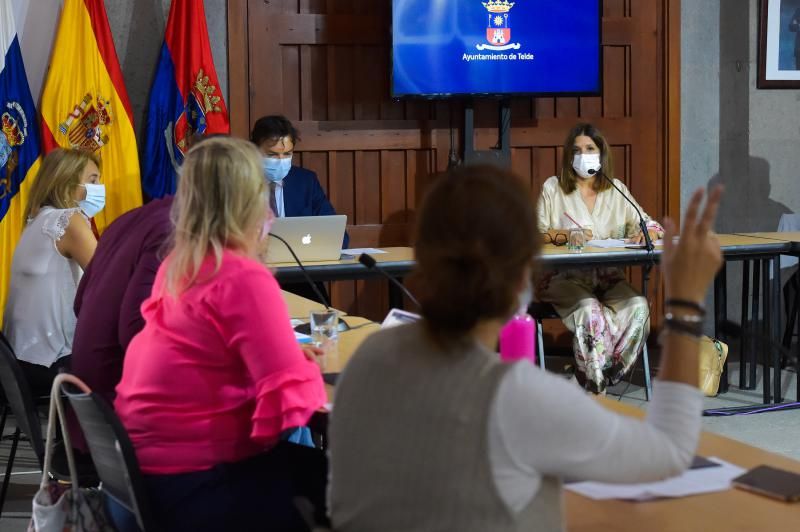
(116,281)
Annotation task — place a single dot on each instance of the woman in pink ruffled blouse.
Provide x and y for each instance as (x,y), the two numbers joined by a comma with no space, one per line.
(216,376)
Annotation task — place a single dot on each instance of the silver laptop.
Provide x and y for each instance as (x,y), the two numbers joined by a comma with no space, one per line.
(313,238)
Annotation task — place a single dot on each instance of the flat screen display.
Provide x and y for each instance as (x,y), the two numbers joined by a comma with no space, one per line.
(495,47)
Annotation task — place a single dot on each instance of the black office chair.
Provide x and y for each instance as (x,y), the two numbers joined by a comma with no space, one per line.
(19,401)
(545,311)
(111,450)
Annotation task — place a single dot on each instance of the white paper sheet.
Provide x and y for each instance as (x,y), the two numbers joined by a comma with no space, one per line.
(355,252)
(618,243)
(692,482)
(607,243)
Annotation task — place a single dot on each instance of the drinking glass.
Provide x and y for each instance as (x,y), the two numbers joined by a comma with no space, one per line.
(325,335)
(577,239)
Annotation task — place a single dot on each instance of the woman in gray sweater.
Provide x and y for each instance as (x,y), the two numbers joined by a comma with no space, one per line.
(431,432)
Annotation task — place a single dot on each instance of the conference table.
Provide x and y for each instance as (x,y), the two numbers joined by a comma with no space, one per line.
(762,249)
(730,511)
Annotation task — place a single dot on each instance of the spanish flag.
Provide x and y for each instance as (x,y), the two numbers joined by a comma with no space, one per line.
(185,99)
(85,104)
(19,145)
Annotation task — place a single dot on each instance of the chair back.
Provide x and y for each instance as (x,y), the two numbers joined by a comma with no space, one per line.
(112,453)
(19,398)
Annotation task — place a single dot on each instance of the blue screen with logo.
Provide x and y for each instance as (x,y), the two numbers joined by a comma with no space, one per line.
(445,47)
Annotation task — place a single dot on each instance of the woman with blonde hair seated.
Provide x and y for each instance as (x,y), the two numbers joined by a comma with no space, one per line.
(215,378)
(431,431)
(55,247)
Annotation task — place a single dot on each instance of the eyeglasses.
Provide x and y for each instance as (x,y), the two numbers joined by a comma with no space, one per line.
(559,240)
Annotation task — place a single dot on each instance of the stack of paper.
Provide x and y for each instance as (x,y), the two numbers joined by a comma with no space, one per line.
(692,482)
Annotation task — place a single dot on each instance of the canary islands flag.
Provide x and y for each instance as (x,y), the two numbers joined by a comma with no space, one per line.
(85,104)
(19,144)
(185,99)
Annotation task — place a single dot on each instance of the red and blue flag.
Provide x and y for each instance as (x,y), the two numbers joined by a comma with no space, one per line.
(185,98)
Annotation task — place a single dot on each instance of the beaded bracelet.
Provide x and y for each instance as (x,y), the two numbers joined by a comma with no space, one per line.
(685,303)
(686,318)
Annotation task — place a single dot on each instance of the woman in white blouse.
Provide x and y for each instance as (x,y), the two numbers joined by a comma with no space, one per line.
(609,319)
(56,245)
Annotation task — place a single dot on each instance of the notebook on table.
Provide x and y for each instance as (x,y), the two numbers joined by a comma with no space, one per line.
(313,238)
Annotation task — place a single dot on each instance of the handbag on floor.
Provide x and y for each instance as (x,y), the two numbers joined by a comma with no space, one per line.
(61,507)
(712,359)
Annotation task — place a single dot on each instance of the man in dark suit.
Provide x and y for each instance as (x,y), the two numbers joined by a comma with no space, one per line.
(294,191)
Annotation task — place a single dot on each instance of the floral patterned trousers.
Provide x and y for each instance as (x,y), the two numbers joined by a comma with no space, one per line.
(609,319)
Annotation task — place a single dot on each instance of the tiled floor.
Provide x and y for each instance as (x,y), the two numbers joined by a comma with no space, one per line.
(776,431)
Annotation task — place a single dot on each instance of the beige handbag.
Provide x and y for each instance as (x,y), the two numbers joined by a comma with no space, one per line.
(712,359)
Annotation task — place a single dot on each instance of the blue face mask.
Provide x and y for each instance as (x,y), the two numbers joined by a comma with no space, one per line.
(95,199)
(277,169)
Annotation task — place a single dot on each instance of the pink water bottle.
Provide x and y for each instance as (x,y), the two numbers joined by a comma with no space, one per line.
(518,339)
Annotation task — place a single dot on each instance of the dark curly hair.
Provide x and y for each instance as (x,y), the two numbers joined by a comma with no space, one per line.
(475,237)
(273,128)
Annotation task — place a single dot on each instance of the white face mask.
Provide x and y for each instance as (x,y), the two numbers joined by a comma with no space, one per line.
(586,165)
(95,199)
(276,169)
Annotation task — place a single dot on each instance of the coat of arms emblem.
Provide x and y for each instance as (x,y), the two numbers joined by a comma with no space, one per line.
(14,125)
(86,125)
(498,27)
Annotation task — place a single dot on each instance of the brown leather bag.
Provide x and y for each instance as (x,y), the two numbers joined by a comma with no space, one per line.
(712,359)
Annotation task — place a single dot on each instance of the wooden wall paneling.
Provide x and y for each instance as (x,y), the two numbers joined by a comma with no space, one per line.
(522,111)
(313,83)
(312,7)
(238,67)
(545,162)
(614,81)
(290,66)
(266,65)
(340,182)
(621,168)
(317,162)
(521,164)
(646,105)
(544,107)
(340,83)
(591,108)
(343,296)
(567,107)
(615,8)
(672,70)
(421,166)
(372,299)
(368,92)
(367,187)
(393,206)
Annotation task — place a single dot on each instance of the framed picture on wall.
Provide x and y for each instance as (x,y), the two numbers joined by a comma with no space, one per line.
(779,44)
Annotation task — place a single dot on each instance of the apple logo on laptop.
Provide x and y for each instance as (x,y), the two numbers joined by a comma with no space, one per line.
(306,239)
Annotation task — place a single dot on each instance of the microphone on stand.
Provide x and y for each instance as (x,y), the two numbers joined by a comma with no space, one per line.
(306,327)
(648,242)
(371,264)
